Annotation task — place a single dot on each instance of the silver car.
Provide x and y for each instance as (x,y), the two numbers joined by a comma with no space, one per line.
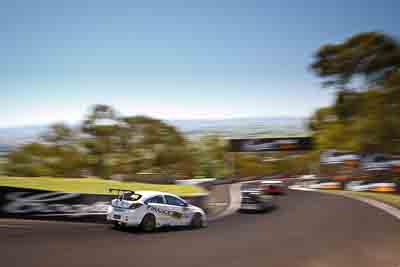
(252,198)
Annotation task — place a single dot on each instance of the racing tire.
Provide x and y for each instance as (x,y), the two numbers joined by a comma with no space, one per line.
(116,225)
(197,221)
(148,223)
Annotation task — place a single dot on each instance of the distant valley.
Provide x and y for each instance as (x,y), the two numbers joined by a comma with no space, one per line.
(233,128)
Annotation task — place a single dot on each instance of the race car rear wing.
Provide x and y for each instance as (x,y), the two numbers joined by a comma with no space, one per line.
(124,193)
(119,190)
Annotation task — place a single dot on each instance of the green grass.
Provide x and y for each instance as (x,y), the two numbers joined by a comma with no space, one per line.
(93,185)
(388,198)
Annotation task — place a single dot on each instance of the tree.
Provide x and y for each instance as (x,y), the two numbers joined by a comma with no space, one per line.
(371,56)
(250,164)
(46,159)
(297,164)
(321,118)
(151,144)
(102,127)
(210,153)
(107,145)
(30,160)
(365,117)
(59,134)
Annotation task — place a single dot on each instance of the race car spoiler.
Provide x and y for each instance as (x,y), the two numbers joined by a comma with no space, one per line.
(121,193)
(120,190)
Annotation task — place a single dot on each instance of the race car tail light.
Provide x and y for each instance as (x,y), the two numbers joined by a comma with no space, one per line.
(135,205)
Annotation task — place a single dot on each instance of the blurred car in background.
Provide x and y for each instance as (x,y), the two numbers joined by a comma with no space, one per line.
(273,187)
(253,198)
(379,162)
(325,184)
(372,186)
(339,157)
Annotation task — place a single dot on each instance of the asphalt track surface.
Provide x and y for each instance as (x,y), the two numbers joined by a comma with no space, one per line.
(308,229)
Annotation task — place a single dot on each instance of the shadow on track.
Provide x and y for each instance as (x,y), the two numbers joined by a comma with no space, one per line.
(164,229)
(264,211)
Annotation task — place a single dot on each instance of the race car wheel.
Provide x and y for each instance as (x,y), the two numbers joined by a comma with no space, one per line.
(116,225)
(148,223)
(197,221)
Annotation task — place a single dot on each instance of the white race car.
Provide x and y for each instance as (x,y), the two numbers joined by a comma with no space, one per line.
(150,209)
(373,186)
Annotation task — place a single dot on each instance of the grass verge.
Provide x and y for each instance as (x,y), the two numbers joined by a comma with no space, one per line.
(391,199)
(93,185)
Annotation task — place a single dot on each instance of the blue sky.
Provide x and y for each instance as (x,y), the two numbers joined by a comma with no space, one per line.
(171,59)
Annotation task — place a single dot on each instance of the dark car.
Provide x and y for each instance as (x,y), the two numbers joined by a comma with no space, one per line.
(253,198)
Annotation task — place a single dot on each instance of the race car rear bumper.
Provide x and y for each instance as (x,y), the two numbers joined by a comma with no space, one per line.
(126,218)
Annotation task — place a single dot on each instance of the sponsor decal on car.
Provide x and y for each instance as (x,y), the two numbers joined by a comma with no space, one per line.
(173,214)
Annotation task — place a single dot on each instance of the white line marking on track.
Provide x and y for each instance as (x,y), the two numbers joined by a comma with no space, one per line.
(377,204)
(234,204)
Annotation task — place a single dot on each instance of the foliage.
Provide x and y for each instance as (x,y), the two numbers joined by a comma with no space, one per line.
(101,126)
(210,153)
(38,159)
(108,145)
(59,134)
(364,118)
(293,165)
(371,56)
(249,164)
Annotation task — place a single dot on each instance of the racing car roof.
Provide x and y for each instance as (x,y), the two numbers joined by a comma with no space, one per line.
(272,182)
(147,194)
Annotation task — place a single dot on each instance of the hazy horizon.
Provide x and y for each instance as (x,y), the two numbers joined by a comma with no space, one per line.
(45,124)
(233,128)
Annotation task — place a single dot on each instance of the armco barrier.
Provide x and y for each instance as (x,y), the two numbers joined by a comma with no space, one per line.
(52,205)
